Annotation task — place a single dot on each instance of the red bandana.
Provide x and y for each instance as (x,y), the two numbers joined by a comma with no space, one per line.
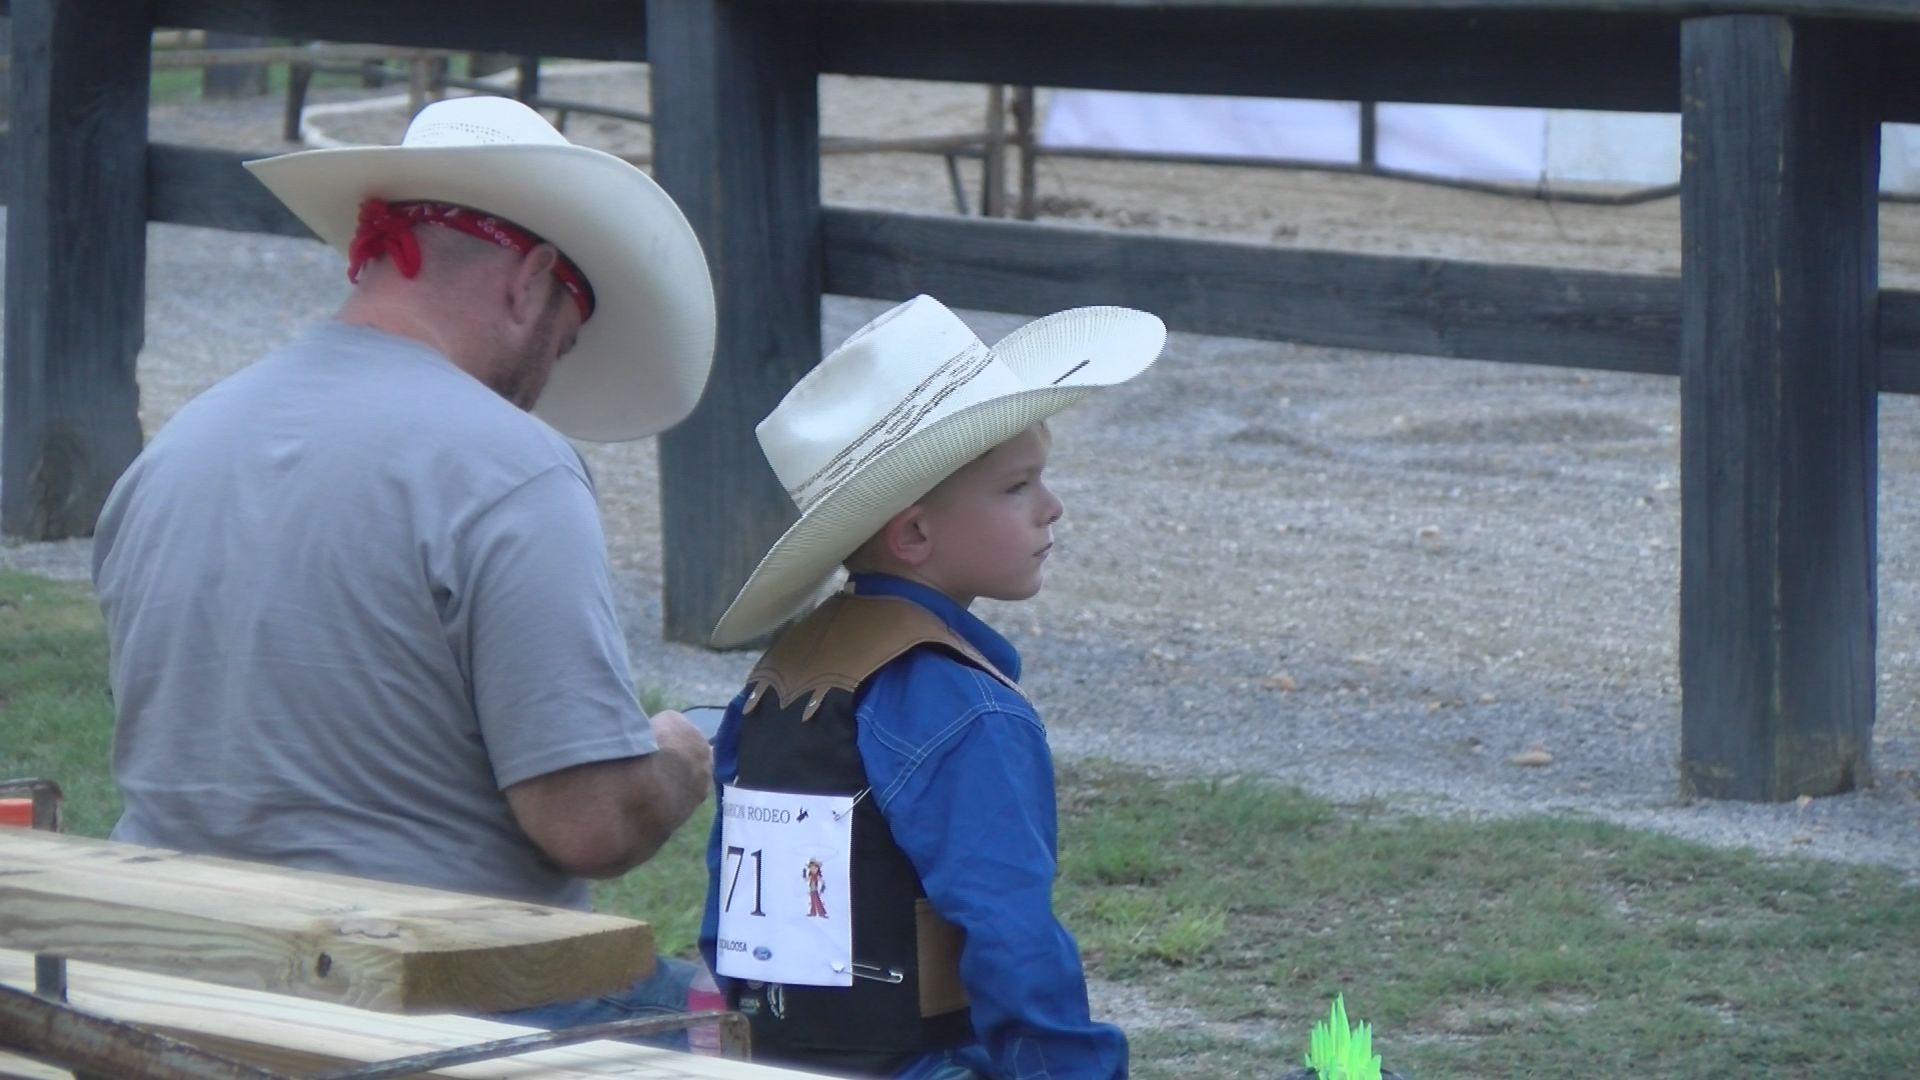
(387,229)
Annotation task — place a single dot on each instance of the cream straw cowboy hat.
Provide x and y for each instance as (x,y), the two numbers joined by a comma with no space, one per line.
(908,399)
(641,361)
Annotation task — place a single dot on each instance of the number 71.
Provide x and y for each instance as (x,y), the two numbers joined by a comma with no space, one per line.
(741,853)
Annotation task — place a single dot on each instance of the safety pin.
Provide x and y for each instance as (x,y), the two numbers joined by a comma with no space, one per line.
(869,971)
(856,802)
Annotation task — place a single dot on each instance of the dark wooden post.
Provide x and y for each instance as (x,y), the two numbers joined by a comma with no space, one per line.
(1023,137)
(76,260)
(6,49)
(233,80)
(736,140)
(528,86)
(1778,378)
(299,78)
(993,163)
(1369,135)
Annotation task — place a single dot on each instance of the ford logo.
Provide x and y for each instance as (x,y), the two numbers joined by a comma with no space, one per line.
(761,952)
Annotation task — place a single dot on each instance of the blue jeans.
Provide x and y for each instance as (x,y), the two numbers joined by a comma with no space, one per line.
(965,1063)
(664,993)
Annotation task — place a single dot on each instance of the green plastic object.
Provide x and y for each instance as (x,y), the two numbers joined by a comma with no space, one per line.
(1337,1052)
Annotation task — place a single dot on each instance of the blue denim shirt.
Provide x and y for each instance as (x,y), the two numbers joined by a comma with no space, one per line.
(960,768)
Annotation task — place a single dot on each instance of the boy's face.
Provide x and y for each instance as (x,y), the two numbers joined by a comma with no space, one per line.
(991,523)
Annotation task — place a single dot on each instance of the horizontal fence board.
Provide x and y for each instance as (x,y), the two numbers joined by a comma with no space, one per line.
(1383,303)
(1576,54)
(1863,9)
(196,185)
(587,29)
(1432,307)
(192,185)
(1888,10)
(1515,314)
(1568,60)
(1899,342)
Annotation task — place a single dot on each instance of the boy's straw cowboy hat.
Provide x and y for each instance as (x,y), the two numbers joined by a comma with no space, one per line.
(908,399)
(641,361)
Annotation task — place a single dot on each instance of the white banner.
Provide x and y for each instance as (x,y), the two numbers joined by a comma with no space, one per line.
(1516,145)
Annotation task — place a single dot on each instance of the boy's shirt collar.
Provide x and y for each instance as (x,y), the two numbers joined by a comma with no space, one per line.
(997,649)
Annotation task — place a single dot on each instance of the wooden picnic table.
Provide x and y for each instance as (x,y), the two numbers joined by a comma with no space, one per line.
(1777,326)
(292,971)
(328,937)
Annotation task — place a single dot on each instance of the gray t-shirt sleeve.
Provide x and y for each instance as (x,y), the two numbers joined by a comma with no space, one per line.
(552,685)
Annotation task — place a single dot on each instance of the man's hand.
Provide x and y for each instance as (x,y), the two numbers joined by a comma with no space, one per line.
(604,818)
(677,735)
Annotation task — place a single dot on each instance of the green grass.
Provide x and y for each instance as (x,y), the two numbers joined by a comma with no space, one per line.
(56,720)
(668,890)
(173,85)
(1535,947)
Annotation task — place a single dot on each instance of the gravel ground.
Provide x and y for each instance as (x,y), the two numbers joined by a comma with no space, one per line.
(1379,577)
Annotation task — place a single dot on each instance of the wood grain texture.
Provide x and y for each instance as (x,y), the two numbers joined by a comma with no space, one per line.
(197,185)
(1571,59)
(1515,314)
(16,1067)
(1600,54)
(1384,303)
(1572,55)
(1778,447)
(1895,10)
(587,29)
(301,1037)
(194,185)
(736,131)
(373,945)
(76,261)
(228,14)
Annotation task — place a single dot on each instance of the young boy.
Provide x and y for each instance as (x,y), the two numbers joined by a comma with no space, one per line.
(881,865)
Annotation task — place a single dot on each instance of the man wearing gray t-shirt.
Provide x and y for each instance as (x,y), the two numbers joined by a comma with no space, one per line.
(357,595)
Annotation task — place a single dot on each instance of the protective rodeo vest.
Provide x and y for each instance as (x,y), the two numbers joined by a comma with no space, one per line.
(797,735)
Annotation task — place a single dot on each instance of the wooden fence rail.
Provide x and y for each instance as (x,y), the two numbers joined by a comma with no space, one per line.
(312,53)
(1517,314)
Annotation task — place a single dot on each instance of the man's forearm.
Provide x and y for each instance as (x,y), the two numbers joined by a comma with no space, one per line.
(673,783)
(604,818)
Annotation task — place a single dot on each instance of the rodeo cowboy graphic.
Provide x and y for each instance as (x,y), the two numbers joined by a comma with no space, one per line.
(816,908)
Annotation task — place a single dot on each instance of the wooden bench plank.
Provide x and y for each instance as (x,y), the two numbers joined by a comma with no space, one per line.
(288,1034)
(375,945)
(15,1067)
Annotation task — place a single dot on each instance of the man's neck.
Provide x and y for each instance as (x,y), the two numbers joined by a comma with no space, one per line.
(401,321)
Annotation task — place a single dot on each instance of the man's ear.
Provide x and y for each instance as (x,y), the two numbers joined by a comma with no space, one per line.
(532,279)
(907,537)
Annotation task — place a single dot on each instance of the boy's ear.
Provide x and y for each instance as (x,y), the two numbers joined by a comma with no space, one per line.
(906,537)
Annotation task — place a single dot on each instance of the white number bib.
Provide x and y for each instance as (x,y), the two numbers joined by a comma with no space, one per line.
(784,908)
